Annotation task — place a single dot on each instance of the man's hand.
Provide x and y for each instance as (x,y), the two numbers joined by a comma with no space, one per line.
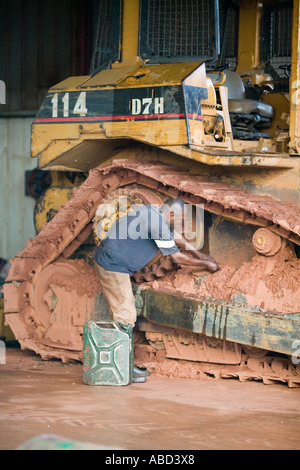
(185,245)
(202,261)
(195,258)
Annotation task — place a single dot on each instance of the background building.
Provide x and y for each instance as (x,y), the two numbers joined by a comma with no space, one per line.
(41,44)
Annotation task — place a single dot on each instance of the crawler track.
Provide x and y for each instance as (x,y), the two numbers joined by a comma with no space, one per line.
(30,275)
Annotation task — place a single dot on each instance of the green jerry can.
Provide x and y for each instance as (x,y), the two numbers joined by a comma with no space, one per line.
(107,353)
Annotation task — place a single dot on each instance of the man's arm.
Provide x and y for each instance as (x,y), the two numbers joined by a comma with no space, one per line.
(161,234)
(182,242)
(196,258)
(168,245)
(205,261)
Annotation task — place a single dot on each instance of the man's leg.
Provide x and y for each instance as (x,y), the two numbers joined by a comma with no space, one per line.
(118,292)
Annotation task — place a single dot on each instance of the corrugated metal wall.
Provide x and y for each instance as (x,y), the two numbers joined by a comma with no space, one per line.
(16,209)
(41,43)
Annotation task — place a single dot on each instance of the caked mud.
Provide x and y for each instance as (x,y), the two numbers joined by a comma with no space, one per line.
(271,284)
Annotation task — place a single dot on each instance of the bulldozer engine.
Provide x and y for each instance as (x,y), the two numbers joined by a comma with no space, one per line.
(191,99)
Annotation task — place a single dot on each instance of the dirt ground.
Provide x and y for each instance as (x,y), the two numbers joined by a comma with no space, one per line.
(38,397)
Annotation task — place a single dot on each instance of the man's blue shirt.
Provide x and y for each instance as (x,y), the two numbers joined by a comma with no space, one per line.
(134,240)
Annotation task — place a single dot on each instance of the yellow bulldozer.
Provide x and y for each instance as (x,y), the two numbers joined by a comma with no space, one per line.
(195,99)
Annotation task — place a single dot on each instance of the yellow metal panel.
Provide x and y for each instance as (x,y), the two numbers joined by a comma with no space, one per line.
(109,77)
(130,32)
(71,83)
(48,206)
(131,77)
(83,157)
(249,35)
(281,105)
(162,132)
(44,134)
(160,74)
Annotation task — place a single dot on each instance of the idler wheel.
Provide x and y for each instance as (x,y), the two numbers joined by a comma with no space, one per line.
(266,242)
